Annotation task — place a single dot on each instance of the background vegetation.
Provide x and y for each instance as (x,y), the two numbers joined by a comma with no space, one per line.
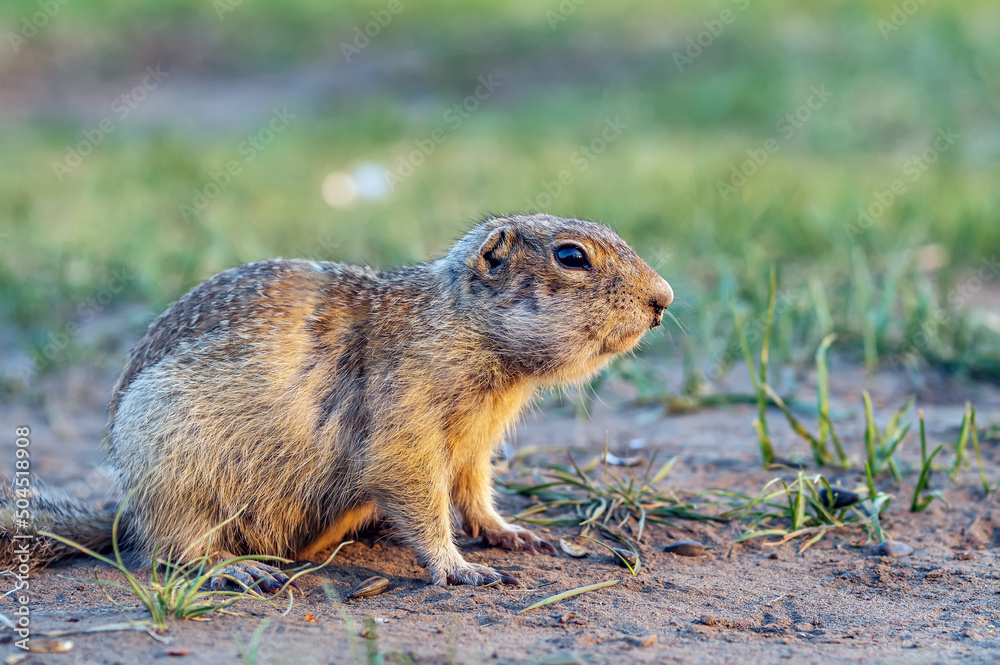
(691,92)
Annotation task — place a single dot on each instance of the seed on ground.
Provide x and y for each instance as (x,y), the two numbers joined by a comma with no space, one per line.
(622,555)
(893,548)
(838,497)
(370,587)
(572,549)
(685,548)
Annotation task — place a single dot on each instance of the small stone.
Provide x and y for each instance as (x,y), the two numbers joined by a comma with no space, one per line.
(177,652)
(631,460)
(893,548)
(647,641)
(838,498)
(709,620)
(685,548)
(370,587)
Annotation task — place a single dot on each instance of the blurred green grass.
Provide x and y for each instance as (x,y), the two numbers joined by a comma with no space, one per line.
(657,183)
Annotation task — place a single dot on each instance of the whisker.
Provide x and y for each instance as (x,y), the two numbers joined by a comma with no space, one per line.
(677,321)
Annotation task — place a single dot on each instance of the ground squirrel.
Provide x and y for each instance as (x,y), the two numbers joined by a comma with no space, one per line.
(309,398)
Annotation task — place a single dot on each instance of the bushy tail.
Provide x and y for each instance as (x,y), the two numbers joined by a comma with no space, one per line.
(53,512)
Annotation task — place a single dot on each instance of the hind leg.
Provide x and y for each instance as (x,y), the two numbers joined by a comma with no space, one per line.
(348,522)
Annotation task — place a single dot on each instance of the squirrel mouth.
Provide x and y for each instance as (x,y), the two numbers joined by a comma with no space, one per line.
(620,343)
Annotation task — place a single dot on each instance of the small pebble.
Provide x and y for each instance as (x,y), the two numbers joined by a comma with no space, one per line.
(615,460)
(893,548)
(370,587)
(685,548)
(841,498)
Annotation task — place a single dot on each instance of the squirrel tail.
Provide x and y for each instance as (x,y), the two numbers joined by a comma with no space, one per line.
(23,516)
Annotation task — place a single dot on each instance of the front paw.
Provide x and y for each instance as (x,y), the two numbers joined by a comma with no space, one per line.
(476,575)
(518,539)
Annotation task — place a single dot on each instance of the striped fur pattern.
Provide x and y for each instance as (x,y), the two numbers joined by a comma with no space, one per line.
(309,398)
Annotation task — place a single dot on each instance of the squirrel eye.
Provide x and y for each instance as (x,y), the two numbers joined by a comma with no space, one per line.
(571,256)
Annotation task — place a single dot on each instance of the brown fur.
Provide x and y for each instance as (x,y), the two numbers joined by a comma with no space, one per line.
(306,398)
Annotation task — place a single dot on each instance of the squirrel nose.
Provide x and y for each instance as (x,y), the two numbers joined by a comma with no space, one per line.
(660,298)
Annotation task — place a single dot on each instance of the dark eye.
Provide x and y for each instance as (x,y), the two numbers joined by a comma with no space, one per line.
(571,256)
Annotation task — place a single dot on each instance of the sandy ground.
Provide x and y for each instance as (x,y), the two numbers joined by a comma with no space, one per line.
(836,602)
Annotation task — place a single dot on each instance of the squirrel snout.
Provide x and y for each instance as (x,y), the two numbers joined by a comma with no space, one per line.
(660,298)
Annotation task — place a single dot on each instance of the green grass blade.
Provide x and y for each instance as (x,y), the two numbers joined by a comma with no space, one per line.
(568,594)
(845,461)
(871,434)
(664,470)
(979,457)
(823,390)
(819,451)
(765,350)
(760,424)
(960,445)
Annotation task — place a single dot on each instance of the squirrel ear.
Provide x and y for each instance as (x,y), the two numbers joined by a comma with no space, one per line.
(497,247)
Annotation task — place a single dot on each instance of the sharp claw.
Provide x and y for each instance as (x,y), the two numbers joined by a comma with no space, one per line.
(548,547)
(507,578)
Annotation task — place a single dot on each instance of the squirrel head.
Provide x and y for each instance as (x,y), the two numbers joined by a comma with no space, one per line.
(555,298)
